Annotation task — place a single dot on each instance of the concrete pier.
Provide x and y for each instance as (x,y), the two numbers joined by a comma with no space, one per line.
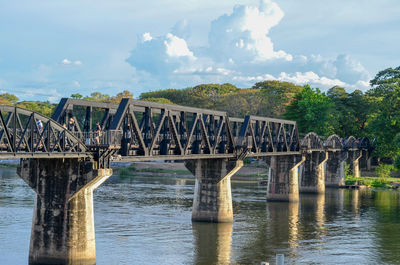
(63,222)
(213,196)
(354,159)
(312,178)
(283,183)
(365,160)
(334,173)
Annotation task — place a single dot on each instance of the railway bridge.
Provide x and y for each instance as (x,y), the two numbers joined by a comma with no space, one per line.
(63,159)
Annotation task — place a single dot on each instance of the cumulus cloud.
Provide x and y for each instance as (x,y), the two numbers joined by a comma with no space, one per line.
(66,62)
(240,51)
(350,70)
(243,35)
(161,55)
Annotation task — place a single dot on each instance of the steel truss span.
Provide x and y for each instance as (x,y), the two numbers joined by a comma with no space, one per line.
(27,134)
(142,130)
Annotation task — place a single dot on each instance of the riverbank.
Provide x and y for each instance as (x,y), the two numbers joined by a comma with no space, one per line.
(257,171)
(374,182)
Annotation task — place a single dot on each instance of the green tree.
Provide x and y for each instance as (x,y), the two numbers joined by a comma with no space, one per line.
(8,99)
(159,100)
(124,94)
(44,108)
(385,123)
(76,96)
(386,81)
(210,95)
(243,102)
(277,95)
(98,96)
(177,96)
(311,109)
(350,113)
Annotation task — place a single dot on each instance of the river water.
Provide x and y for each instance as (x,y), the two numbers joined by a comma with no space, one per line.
(146,220)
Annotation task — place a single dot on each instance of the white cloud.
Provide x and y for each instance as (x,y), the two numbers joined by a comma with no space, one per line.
(243,35)
(161,55)
(66,62)
(146,37)
(350,70)
(177,47)
(240,51)
(69,62)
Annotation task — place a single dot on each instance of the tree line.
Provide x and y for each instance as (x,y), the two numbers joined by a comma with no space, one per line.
(374,113)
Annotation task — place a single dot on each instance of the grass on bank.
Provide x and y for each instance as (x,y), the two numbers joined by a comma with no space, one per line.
(9,165)
(375,182)
(131,170)
(382,180)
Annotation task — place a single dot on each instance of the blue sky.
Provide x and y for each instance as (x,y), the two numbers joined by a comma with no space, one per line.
(52,49)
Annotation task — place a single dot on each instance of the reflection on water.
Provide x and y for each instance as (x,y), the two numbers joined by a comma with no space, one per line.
(293,226)
(212,243)
(146,220)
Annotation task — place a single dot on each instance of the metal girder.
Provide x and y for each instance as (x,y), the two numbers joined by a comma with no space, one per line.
(161,129)
(24,133)
(268,135)
(69,108)
(140,130)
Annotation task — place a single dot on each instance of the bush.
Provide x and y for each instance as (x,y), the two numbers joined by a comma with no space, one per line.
(347,171)
(383,171)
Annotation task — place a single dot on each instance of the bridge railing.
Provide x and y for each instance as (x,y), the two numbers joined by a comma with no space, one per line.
(104,139)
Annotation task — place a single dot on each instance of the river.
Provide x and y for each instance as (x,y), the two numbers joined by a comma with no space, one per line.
(146,220)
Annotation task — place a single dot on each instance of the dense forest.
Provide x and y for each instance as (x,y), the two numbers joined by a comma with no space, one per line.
(374,113)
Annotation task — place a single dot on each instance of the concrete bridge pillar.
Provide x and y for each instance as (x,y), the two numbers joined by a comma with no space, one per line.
(334,171)
(283,183)
(365,160)
(63,223)
(212,196)
(354,160)
(312,178)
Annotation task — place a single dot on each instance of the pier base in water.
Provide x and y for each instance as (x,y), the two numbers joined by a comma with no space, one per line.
(312,178)
(213,196)
(63,222)
(283,183)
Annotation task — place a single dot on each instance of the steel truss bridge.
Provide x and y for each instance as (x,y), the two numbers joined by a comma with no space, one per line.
(140,130)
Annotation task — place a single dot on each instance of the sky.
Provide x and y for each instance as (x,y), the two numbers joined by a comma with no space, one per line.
(52,49)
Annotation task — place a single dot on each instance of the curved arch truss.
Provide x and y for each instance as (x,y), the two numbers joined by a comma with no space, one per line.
(311,142)
(333,142)
(27,134)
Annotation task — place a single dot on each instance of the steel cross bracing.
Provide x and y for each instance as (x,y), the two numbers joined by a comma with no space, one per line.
(151,130)
(142,130)
(27,134)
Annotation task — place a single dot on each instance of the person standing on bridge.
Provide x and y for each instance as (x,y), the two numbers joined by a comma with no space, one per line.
(97,133)
(126,139)
(39,125)
(71,125)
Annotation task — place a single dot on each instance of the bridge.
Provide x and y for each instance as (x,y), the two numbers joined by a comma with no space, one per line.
(64,160)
